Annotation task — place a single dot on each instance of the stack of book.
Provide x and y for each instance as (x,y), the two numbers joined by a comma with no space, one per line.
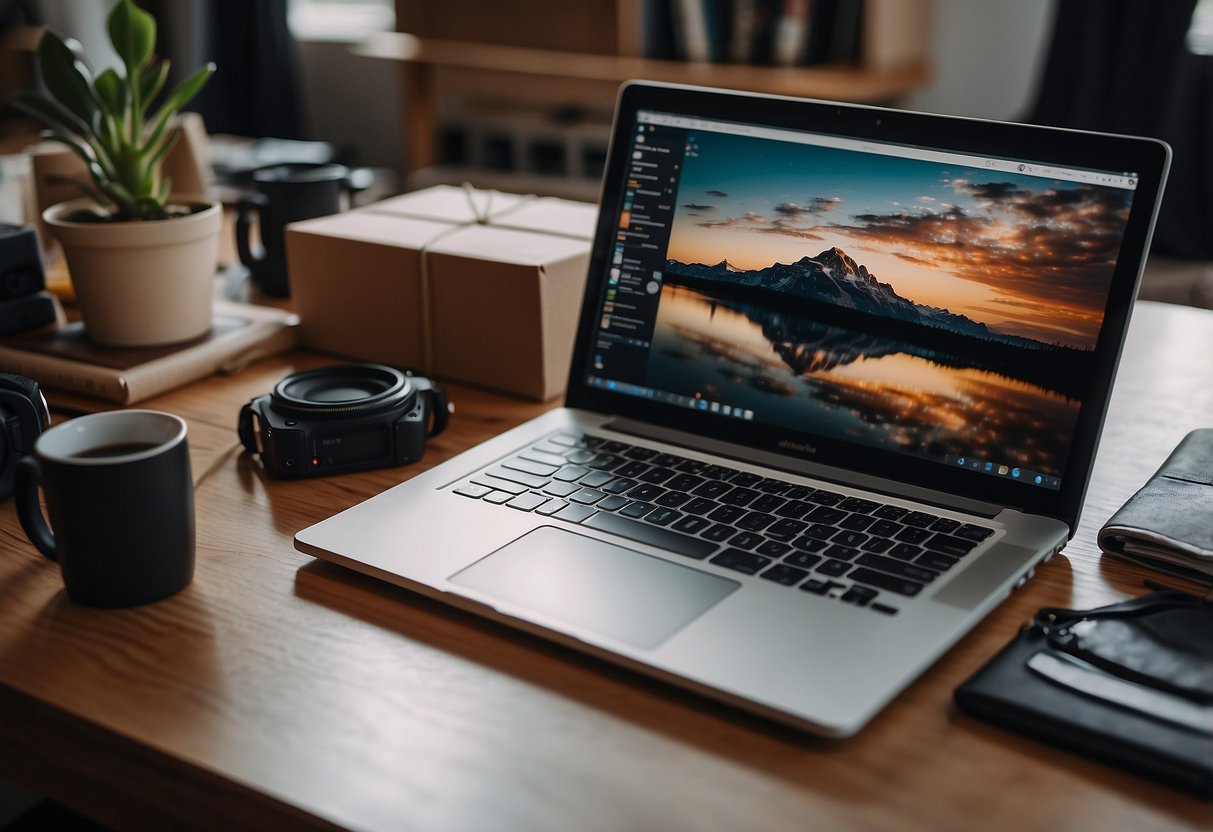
(758,32)
(62,359)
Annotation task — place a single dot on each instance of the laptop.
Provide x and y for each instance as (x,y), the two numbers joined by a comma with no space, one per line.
(836,390)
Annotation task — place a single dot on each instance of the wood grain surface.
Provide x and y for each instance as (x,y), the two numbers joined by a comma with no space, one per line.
(279,692)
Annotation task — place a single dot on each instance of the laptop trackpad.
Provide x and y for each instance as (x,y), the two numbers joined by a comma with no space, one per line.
(588,584)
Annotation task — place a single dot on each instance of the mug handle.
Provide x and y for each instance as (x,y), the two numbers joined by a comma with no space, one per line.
(358,180)
(25,493)
(245,206)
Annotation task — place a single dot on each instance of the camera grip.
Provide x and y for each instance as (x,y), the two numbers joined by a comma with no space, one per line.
(246,429)
(28,509)
(440,407)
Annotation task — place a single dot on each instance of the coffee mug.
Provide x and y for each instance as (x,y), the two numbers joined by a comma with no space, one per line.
(285,194)
(121,503)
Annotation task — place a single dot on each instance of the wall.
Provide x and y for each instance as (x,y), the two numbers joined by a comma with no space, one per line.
(986,57)
(353,101)
(85,21)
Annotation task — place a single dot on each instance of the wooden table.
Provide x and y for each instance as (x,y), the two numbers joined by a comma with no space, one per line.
(281,692)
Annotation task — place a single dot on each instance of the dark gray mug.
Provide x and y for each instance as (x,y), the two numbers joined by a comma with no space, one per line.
(285,194)
(121,503)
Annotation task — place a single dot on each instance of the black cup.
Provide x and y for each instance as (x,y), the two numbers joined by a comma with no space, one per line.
(121,504)
(286,194)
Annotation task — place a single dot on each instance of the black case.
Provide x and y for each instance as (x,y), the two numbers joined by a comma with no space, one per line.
(1162,642)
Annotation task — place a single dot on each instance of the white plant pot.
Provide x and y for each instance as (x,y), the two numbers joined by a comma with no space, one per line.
(141,283)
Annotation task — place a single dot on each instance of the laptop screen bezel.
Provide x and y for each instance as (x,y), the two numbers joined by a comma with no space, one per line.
(1148,159)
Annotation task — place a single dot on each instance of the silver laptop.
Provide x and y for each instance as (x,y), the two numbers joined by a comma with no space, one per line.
(837,387)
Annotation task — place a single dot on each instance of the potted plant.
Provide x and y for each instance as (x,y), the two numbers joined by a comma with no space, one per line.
(143,269)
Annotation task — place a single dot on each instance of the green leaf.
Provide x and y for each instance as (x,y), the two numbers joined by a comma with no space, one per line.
(133,33)
(75,145)
(165,148)
(95,170)
(112,92)
(67,76)
(109,137)
(152,82)
(183,92)
(154,137)
(160,138)
(122,198)
(103,118)
(85,188)
(148,207)
(147,181)
(89,190)
(51,113)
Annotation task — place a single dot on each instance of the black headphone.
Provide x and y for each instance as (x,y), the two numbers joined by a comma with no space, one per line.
(23,416)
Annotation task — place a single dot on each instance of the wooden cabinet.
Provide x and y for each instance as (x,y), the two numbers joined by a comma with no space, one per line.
(518,95)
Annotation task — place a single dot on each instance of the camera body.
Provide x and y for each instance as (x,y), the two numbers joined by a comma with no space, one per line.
(23,416)
(24,303)
(337,420)
(21,272)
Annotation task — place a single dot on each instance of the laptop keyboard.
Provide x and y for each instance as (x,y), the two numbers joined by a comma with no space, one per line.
(861,551)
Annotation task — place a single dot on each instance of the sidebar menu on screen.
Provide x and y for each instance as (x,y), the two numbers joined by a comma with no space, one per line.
(633,290)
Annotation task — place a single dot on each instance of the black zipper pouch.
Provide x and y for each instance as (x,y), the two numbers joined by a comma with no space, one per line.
(1130,684)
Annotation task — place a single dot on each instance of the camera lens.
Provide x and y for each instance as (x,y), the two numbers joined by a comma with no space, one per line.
(345,389)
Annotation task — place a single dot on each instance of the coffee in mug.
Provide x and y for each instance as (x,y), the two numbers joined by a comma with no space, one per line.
(120,499)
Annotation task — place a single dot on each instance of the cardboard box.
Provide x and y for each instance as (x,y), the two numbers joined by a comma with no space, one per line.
(503,295)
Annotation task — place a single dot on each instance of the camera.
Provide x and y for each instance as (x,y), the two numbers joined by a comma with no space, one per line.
(24,303)
(23,416)
(349,417)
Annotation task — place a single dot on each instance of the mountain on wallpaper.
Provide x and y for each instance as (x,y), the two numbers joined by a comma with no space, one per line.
(835,278)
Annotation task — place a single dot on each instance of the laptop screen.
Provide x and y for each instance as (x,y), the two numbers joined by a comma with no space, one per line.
(909,307)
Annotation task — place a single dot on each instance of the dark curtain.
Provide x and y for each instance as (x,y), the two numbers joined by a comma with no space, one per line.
(18,13)
(16,71)
(1123,66)
(255,91)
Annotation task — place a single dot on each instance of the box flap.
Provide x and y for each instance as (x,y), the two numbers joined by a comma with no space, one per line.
(446,203)
(509,245)
(555,216)
(409,232)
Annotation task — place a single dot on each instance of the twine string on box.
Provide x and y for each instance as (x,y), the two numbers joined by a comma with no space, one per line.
(480,216)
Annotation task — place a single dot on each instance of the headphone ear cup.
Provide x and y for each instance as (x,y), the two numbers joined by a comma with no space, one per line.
(23,416)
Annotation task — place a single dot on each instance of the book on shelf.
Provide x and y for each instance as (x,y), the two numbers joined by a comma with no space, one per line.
(62,359)
(693,30)
(845,41)
(755,32)
(876,34)
(792,33)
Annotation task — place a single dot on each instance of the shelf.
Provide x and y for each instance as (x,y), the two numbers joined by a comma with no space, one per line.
(481,70)
(833,82)
(512,73)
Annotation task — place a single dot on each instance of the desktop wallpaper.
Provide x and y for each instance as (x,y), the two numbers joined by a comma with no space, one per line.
(944,311)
